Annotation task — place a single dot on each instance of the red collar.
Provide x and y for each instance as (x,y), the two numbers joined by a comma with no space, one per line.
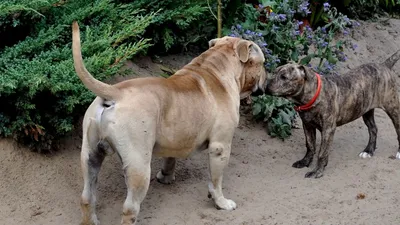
(312,101)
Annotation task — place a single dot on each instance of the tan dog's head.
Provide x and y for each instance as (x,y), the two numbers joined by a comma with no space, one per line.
(288,80)
(253,76)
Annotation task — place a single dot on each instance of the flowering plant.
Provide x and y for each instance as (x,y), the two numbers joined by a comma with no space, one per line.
(284,35)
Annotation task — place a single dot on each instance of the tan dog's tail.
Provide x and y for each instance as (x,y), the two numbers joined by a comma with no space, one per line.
(101,89)
(389,63)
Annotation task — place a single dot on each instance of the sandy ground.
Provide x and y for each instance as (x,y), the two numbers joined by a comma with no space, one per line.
(42,190)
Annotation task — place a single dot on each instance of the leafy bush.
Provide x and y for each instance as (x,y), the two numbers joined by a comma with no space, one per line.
(283,32)
(179,23)
(41,94)
(277,112)
(368,9)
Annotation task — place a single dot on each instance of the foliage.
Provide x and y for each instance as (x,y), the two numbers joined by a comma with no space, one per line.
(368,9)
(179,22)
(277,112)
(285,35)
(41,94)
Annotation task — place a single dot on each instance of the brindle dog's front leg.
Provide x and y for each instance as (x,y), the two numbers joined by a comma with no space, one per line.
(327,134)
(309,132)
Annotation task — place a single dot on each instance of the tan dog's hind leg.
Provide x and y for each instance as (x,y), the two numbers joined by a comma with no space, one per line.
(137,179)
(219,157)
(135,151)
(167,173)
(91,160)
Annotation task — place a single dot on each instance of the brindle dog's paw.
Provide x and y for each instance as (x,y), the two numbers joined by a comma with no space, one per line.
(165,179)
(301,164)
(314,174)
(365,155)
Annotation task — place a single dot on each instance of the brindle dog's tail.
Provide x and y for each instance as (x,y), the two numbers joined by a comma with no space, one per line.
(389,63)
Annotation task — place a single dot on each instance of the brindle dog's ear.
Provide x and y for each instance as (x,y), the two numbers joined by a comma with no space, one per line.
(307,72)
(212,42)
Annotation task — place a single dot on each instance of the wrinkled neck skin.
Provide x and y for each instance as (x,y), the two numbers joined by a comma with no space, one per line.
(307,91)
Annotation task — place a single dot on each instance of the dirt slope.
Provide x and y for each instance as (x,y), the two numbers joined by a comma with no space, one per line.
(43,190)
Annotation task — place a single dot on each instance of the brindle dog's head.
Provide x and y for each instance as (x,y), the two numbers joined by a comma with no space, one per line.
(253,76)
(288,80)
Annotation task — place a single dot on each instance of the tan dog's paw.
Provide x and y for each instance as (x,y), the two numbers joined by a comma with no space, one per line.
(96,222)
(225,204)
(165,179)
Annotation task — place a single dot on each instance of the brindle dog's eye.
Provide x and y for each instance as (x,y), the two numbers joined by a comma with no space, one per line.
(283,77)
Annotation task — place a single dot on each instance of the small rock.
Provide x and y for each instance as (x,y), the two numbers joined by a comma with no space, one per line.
(360,196)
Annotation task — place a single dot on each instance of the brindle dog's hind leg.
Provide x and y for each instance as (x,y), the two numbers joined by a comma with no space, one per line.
(309,132)
(369,120)
(392,108)
(167,173)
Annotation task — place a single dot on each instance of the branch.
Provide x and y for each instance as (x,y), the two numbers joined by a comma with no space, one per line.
(219,19)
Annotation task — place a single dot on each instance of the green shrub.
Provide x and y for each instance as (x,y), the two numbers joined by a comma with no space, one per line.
(368,9)
(42,96)
(179,23)
(278,113)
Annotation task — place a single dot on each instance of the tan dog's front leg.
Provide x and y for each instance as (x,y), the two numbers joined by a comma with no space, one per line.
(167,173)
(219,157)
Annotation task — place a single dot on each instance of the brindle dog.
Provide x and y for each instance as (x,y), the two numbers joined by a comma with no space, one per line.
(342,99)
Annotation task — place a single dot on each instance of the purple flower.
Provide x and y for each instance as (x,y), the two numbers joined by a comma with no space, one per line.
(282,17)
(354,46)
(260,34)
(326,6)
(248,31)
(264,44)
(291,12)
(355,23)
(274,28)
(239,26)
(260,6)
(346,19)
(232,35)
(324,44)
(323,29)
(299,23)
(345,32)
(296,32)
(303,8)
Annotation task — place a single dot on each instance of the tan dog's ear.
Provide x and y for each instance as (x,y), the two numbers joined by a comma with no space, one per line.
(243,50)
(249,50)
(212,42)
